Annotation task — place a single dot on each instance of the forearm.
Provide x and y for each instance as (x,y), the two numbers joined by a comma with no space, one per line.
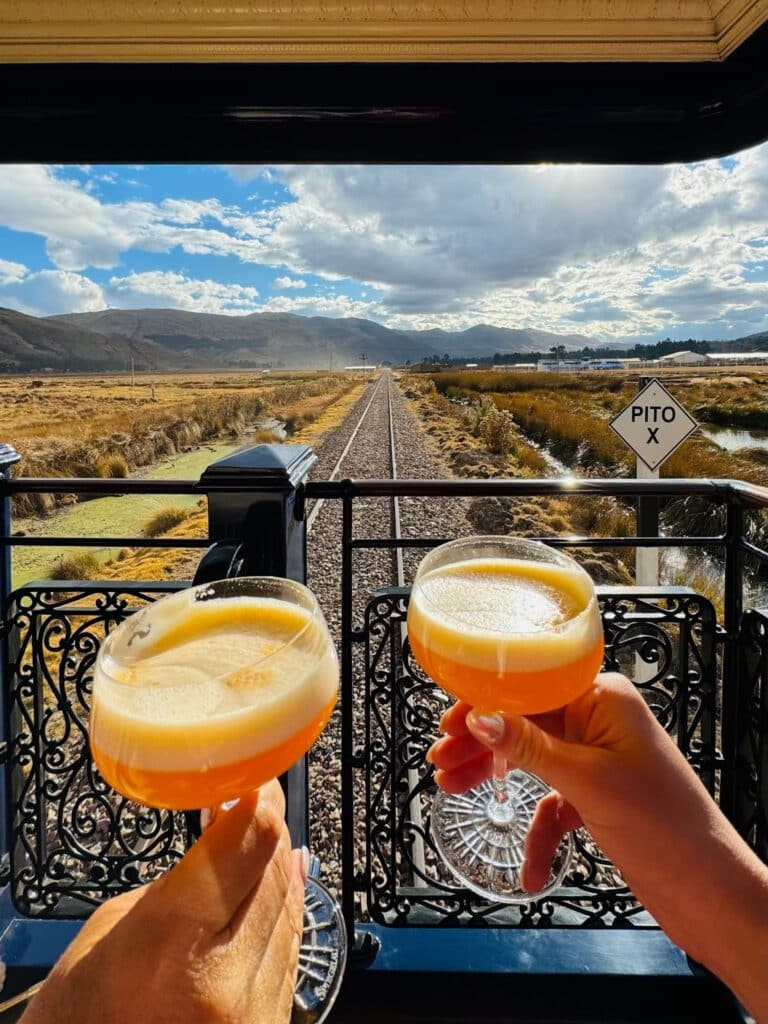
(713,902)
(736,948)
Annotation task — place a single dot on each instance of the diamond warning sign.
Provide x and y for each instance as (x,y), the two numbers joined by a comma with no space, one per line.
(654,424)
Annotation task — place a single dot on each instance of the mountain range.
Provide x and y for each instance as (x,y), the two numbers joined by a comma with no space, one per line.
(173,339)
(164,339)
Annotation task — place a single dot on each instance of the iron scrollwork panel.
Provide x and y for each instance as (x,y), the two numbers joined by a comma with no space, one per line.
(664,641)
(73,841)
(752,733)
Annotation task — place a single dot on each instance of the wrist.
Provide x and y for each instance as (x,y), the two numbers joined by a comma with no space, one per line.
(740,956)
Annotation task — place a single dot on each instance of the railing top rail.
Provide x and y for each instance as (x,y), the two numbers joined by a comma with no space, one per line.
(749,494)
(716,490)
(96,485)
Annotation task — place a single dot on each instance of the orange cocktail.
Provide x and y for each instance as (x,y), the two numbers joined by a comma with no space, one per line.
(200,698)
(511,626)
(507,634)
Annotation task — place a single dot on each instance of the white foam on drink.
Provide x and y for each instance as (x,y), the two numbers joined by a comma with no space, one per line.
(218,680)
(507,603)
(505,615)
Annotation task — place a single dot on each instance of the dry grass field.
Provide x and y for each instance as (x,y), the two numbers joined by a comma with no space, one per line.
(569,414)
(109,426)
(154,563)
(313,416)
(485,424)
(476,440)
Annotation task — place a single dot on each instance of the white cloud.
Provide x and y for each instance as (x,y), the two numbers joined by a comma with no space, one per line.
(289,282)
(566,248)
(51,291)
(167,288)
(608,251)
(82,231)
(321,305)
(10,271)
(245,173)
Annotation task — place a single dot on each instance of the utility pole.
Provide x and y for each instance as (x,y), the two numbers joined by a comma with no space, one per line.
(330,357)
(363,357)
(133,375)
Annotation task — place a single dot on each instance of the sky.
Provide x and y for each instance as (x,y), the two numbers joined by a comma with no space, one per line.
(618,253)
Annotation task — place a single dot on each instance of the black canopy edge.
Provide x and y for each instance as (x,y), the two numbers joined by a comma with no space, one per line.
(385,113)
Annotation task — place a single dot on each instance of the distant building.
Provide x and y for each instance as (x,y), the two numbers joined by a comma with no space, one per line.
(615,363)
(683,359)
(738,358)
(514,366)
(562,365)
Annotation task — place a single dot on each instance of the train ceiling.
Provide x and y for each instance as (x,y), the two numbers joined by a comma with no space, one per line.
(382,80)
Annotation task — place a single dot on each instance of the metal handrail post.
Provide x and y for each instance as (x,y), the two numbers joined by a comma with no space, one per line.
(257,526)
(347,736)
(731,690)
(8,459)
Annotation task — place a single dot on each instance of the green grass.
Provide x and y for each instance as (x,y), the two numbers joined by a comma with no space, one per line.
(164,520)
(75,565)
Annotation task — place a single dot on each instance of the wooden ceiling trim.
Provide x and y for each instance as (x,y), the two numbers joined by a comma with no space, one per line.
(376,30)
(736,21)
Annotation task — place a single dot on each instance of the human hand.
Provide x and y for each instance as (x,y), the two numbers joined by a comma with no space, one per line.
(605,754)
(616,770)
(215,939)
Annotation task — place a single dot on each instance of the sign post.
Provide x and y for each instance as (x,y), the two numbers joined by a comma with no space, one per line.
(654,425)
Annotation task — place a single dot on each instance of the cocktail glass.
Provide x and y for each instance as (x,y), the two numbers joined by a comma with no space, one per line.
(510,626)
(209,693)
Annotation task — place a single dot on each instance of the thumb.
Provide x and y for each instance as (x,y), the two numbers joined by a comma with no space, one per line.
(526,746)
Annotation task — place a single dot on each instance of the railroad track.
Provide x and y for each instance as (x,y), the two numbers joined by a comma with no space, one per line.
(382,392)
(315,510)
(379,440)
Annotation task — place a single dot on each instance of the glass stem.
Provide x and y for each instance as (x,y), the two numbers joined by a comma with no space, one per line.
(500,809)
(500,791)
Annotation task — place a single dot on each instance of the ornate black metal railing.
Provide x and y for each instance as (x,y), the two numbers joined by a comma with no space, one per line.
(71,842)
(666,640)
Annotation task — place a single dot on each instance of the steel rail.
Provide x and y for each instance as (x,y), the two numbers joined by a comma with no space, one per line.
(417,850)
(321,501)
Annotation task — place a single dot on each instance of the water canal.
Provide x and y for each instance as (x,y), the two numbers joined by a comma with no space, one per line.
(119,515)
(733,439)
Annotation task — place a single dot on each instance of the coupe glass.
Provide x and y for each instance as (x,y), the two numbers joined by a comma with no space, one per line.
(509,626)
(206,695)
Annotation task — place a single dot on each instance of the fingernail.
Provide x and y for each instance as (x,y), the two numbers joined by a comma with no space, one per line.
(428,756)
(304,863)
(487,728)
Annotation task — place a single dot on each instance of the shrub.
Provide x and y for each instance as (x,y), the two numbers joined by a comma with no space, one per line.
(113,466)
(265,436)
(164,520)
(530,458)
(602,516)
(75,565)
(497,430)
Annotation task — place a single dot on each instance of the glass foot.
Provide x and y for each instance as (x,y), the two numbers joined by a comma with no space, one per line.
(322,957)
(484,850)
